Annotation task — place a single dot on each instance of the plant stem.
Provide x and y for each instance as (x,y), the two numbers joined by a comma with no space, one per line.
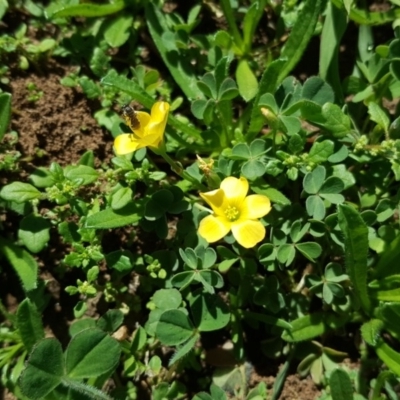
(227,9)
(177,168)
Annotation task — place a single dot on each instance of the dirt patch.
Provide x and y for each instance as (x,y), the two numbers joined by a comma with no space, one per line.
(299,389)
(55,122)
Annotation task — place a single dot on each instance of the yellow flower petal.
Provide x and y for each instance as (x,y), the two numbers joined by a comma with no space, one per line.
(158,120)
(144,119)
(255,206)
(235,189)
(216,200)
(126,143)
(248,233)
(149,134)
(213,228)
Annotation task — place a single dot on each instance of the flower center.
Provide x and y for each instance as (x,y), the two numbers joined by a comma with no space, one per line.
(231,213)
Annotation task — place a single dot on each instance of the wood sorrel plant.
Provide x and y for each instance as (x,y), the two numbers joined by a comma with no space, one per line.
(299,253)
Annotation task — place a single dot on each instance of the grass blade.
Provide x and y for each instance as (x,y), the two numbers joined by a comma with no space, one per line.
(334,27)
(177,63)
(301,34)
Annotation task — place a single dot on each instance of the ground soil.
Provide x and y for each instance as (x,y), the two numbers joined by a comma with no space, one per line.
(59,126)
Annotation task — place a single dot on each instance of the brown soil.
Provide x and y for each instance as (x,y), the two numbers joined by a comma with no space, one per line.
(59,126)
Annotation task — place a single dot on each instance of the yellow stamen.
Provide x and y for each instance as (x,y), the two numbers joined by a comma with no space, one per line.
(231,213)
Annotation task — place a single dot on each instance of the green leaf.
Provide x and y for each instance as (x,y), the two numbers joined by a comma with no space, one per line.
(5,113)
(29,324)
(318,91)
(118,29)
(313,181)
(228,90)
(379,115)
(286,254)
(309,250)
(371,330)
(246,80)
(42,177)
(138,340)
(300,35)
(34,232)
(388,263)
(332,185)
(267,100)
(87,158)
(23,263)
(273,194)
(177,64)
(253,169)
(315,207)
(81,174)
(91,353)
(88,10)
(121,198)
(174,328)
(340,155)
(336,121)
(390,314)
(355,234)
(19,192)
(128,86)
(333,198)
(208,85)
(110,321)
(92,91)
(183,350)
(310,111)
(166,299)
(335,25)
(241,151)
(340,384)
(251,19)
(189,257)
(81,324)
(267,319)
(258,147)
(209,311)
(109,218)
(44,370)
(321,151)
(389,356)
(305,328)
(183,279)
(388,295)
(298,230)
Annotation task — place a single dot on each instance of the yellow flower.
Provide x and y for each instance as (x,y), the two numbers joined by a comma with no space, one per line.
(149,132)
(236,212)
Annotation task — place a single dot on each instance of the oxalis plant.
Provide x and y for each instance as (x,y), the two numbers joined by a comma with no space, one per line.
(265,208)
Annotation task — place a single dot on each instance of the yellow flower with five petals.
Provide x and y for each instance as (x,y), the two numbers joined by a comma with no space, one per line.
(234,211)
(149,132)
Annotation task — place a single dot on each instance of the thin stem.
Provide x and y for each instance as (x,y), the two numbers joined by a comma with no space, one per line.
(225,127)
(177,168)
(226,7)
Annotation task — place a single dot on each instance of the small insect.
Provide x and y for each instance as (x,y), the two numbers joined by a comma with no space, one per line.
(130,116)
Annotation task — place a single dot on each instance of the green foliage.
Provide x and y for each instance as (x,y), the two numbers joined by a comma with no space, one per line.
(150,247)
(90,353)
